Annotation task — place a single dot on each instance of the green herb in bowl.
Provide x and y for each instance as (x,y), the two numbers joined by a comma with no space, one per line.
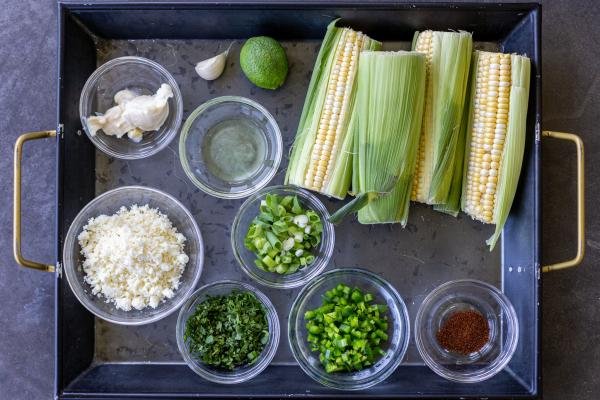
(347,330)
(283,235)
(228,331)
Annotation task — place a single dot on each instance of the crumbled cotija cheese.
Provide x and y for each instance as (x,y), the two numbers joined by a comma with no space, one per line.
(133,258)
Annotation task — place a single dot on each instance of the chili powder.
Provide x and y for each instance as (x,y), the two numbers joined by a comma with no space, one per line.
(464,332)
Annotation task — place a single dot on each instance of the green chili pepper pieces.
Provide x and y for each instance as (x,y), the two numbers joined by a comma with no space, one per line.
(347,330)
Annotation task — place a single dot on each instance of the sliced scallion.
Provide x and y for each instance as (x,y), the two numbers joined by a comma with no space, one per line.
(283,235)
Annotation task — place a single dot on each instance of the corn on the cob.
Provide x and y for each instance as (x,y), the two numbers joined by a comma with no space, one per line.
(495,137)
(448,57)
(387,123)
(321,157)
(453,202)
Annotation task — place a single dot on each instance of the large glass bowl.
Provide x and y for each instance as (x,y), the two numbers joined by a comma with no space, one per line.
(143,76)
(197,130)
(109,203)
(462,295)
(311,297)
(250,209)
(242,373)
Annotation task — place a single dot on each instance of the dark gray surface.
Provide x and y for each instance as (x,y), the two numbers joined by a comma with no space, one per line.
(571,298)
(409,261)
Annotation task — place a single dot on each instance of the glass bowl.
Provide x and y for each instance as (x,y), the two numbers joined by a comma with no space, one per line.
(462,295)
(218,121)
(242,373)
(109,203)
(246,258)
(310,297)
(142,76)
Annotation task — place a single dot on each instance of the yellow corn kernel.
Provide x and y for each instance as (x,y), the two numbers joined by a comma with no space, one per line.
(488,134)
(335,109)
(321,155)
(438,172)
(420,189)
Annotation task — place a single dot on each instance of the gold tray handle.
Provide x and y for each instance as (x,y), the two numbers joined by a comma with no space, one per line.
(17,201)
(580,202)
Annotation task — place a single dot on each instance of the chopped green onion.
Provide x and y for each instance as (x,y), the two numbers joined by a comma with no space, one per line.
(283,235)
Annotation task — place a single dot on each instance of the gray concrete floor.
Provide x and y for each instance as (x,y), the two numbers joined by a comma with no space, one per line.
(571,100)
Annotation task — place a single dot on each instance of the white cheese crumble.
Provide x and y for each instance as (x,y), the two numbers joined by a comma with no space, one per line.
(133,258)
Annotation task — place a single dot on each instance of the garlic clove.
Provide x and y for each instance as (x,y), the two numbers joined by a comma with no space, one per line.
(213,67)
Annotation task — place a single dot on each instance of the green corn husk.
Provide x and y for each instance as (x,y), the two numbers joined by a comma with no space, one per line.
(453,203)
(514,145)
(449,55)
(338,182)
(389,111)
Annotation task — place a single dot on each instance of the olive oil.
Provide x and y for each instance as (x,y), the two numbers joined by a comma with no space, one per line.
(234,149)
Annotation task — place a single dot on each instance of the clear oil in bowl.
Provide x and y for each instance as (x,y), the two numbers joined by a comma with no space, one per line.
(234,149)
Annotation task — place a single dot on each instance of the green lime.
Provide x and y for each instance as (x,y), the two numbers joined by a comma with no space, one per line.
(264,62)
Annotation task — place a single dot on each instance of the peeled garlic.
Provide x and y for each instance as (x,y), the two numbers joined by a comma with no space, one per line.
(213,67)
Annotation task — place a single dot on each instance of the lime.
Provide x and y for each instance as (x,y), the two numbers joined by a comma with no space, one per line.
(264,62)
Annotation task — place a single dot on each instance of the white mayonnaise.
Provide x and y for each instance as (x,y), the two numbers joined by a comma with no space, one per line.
(133,114)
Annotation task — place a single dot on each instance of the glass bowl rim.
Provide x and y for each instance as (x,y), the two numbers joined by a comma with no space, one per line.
(328,232)
(267,356)
(185,133)
(106,67)
(505,355)
(168,311)
(397,357)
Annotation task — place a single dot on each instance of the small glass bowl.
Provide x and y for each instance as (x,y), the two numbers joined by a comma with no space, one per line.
(142,76)
(311,297)
(109,203)
(240,374)
(196,130)
(461,295)
(249,210)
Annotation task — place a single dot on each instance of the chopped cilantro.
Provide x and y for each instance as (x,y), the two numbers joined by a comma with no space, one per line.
(228,331)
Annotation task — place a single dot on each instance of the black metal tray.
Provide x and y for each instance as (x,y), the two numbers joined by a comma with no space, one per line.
(95,359)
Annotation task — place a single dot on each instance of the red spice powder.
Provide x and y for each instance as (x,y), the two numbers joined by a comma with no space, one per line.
(464,332)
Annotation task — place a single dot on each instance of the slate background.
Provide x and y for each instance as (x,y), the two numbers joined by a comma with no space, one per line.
(571,100)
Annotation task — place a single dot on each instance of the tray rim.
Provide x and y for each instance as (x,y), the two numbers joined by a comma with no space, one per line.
(64,6)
